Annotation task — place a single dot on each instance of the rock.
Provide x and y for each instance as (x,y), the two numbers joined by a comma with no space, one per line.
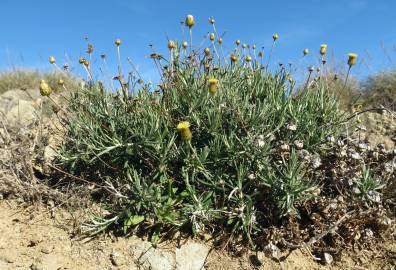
(22,113)
(36,266)
(49,154)
(47,249)
(191,256)
(117,259)
(328,259)
(151,258)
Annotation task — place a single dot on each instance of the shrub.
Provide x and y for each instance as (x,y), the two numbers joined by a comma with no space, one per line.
(214,147)
(380,90)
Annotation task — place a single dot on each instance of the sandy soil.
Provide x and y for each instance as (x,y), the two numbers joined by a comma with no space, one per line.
(39,239)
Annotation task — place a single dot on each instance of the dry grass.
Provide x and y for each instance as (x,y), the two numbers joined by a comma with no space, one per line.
(29,78)
(380,90)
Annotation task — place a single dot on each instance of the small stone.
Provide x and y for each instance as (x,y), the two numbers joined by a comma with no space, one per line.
(272,250)
(47,249)
(117,259)
(35,266)
(328,259)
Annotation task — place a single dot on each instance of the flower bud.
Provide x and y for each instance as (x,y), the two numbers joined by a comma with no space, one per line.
(190,21)
(352,58)
(323,49)
(52,60)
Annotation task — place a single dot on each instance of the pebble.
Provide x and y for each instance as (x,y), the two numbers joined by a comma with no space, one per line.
(328,258)
(117,259)
(47,249)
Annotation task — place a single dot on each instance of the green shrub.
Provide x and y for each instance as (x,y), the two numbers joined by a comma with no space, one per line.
(216,147)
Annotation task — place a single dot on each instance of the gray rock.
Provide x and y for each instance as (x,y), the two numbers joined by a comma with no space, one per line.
(23,113)
(191,256)
(151,258)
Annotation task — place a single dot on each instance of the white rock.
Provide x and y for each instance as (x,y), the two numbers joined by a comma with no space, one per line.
(191,256)
(327,258)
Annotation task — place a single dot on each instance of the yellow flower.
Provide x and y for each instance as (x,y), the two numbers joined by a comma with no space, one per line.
(207,51)
(248,58)
(52,60)
(237,42)
(45,89)
(275,36)
(61,82)
(323,49)
(171,45)
(117,42)
(213,85)
(233,58)
(190,21)
(184,129)
(352,58)
(306,51)
(184,44)
(212,36)
(220,40)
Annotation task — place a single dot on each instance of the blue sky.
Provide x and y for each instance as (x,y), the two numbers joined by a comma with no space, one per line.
(33,30)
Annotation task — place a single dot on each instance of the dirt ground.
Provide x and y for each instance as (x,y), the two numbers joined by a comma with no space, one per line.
(34,237)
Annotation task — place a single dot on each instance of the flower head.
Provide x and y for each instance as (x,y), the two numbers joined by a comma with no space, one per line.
(237,42)
(220,40)
(171,45)
(212,36)
(45,89)
(323,49)
(306,51)
(184,44)
(207,51)
(61,82)
(117,42)
(352,58)
(248,58)
(184,129)
(233,58)
(190,21)
(212,20)
(51,59)
(275,36)
(213,85)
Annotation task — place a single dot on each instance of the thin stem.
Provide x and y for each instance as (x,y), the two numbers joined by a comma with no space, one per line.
(309,77)
(346,78)
(270,55)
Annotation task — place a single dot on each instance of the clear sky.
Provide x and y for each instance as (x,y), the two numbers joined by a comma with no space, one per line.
(31,30)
